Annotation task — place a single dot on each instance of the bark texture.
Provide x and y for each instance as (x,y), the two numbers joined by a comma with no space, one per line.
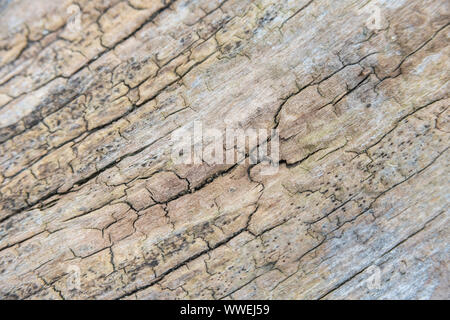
(87,186)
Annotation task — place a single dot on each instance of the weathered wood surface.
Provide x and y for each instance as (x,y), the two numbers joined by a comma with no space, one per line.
(88,187)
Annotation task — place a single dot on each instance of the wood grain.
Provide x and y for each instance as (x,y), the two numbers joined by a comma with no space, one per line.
(90,93)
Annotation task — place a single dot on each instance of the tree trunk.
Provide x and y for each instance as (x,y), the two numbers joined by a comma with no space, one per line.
(96,204)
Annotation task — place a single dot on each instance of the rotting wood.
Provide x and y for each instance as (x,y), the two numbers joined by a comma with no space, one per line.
(93,207)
